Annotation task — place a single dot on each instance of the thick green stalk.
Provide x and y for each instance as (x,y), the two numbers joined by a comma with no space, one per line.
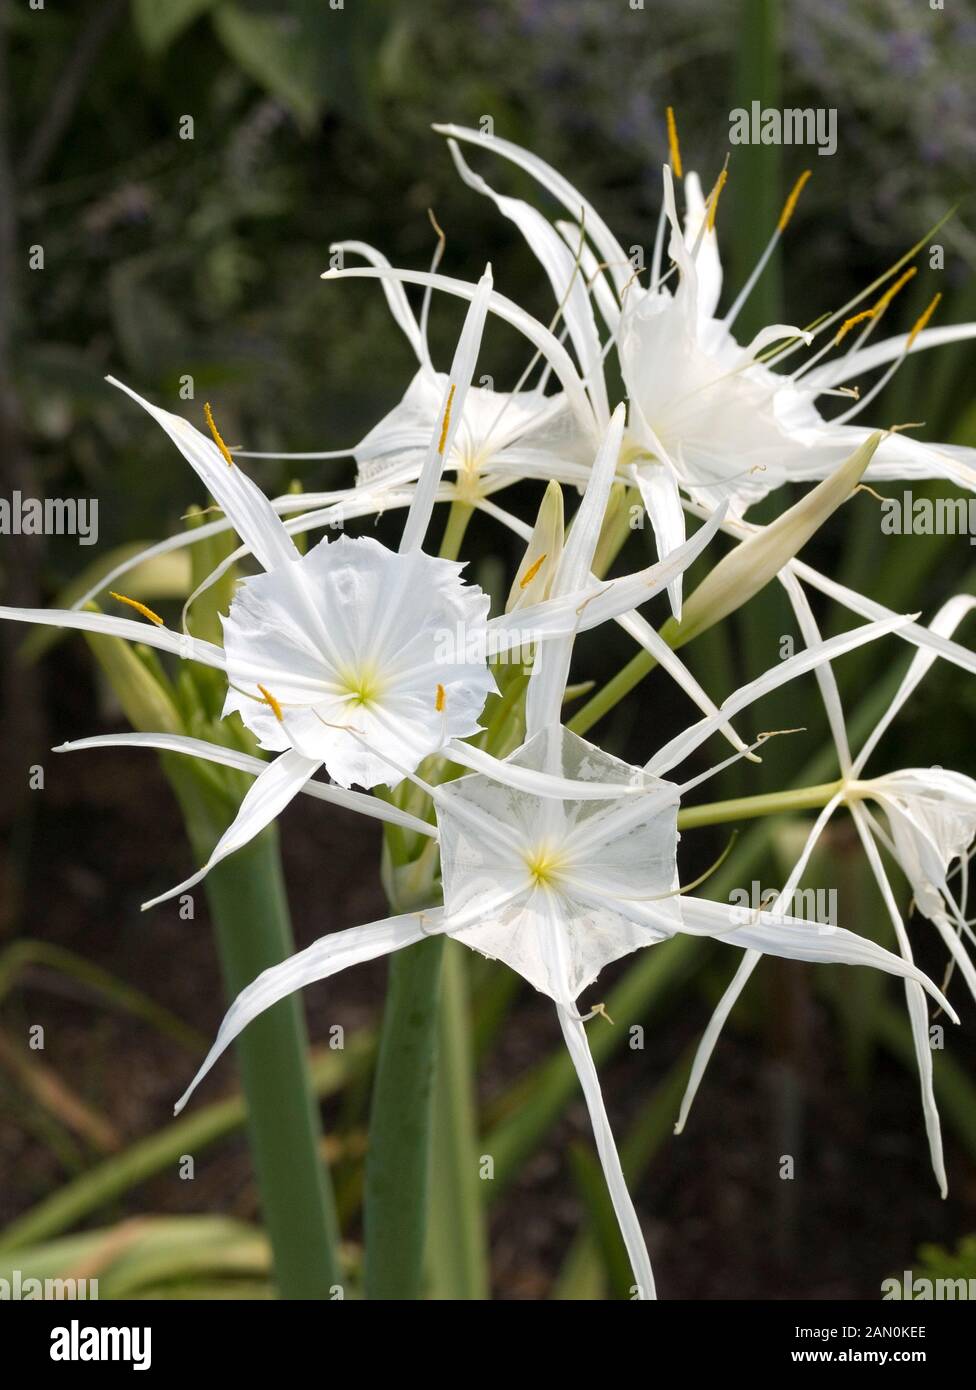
(456,1242)
(755,183)
(250,916)
(612,693)
(398,1158)
(763,804)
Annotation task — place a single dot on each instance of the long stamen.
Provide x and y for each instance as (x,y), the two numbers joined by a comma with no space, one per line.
(789,207)
(829,320)
(139,607)
(872,316)
(882,382)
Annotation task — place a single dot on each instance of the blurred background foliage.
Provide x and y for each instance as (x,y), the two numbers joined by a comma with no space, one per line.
(165,256)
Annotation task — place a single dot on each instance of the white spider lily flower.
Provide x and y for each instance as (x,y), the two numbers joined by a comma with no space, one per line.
(334,650)
(501,435)
(558,888)
(932,819)
(718,421)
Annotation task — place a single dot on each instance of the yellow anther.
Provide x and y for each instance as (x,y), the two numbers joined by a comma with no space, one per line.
(601,1009)
(848,324)
(447,420)
(208,414)
(789,207)
(531,572)
(673,146)
(713,198)
(139,607)
(440,699)
(923,321)
(269,699)
(890,293)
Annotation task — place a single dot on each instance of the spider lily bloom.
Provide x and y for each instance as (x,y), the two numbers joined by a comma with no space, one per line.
(717,419)
(931,816)
(343,636)
(557,888)
(499,433)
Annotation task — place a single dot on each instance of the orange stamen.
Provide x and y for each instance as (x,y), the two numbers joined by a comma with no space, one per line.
(531,572)
(923,321)
(673,146)
(269,699)
(139,607)
(208,414)
(447,420)
(789,207)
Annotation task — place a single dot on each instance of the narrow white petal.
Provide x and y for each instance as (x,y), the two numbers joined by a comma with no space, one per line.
(878,354)
(944,624)
(685,743)
(912,632)
(323,958)
(740,979)
(550,672)
(579,1051)
(524,779)
(795,938)
(575,204)
(395,297)
(181,645)
(662,502)
(230,757)
(269,794)
(563,274)
(539,336)
(449,417)
(917,1011)
(824,673)
(642,632)
(253,517)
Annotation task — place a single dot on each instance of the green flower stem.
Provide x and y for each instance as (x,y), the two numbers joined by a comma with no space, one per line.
(755,188)
(612,693)
(398,1158)
(250,916)
(457,523)
(764,804)
(456,1239)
